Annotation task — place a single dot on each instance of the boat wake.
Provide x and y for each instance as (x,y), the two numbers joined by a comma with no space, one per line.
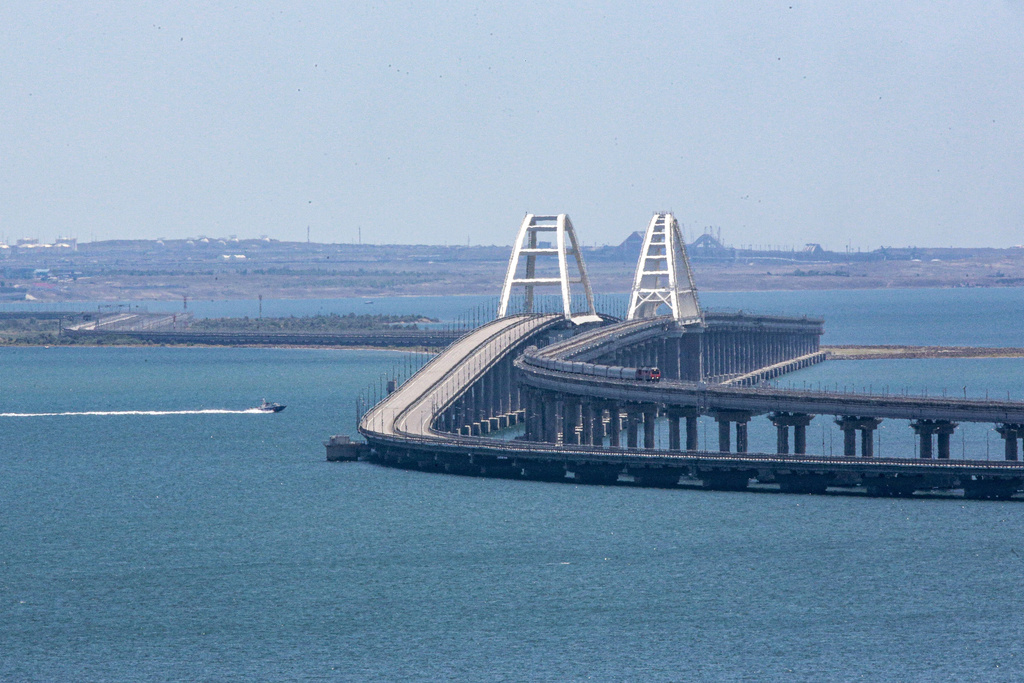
(205,411)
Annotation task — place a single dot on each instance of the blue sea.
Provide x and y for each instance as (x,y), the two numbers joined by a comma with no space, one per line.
(171,534)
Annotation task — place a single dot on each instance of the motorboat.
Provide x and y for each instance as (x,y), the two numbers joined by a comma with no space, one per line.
(270,407)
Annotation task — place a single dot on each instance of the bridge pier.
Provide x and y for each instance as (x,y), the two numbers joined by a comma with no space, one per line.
(614,425)
(867,425)
(673,430)
(533,418)
(570,420)
(587,432)
(725,420)
(925,428)
(1010,433)
(550,419)
(675,414)
(783,421)
(633,416)
(691,363)
(650,420)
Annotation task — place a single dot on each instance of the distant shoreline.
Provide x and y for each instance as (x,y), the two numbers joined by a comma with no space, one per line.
(838,352)
(288,271)
(892,351)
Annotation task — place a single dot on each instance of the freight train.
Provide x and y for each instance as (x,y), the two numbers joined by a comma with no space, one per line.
(643,374)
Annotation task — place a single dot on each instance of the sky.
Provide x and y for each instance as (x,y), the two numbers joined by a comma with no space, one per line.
(850,124)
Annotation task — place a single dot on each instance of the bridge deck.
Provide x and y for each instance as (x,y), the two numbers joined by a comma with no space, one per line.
(404,419)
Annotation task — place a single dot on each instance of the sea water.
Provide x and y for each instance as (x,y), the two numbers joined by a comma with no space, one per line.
(174,534)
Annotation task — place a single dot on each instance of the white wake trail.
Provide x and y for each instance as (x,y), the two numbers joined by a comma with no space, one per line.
(205,411)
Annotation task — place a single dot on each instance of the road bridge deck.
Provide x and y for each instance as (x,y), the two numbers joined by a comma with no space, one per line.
(401,428)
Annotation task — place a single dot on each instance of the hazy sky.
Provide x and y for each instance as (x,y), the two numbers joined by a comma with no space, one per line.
(781,123)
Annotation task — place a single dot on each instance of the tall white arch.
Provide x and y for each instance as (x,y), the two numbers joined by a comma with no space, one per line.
(528,245)
(663,276)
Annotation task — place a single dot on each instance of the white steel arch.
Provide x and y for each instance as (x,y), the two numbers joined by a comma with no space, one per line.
(565,243)
(663,276)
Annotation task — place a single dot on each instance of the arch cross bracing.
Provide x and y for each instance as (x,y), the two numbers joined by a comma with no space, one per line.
(663,277)
(528,247)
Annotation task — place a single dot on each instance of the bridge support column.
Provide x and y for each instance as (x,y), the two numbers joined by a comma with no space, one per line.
(924,430)
(490,394)
(724,419)
(691,431)
(867,425)
(1010,433)
(570,420)
(673,430)
(800,438)
(798,421)
(944,430)
(690,362)
(782,439)
(614,426)
(723,435)
(534,417)
(675,414)
(587,436)
(550,418)
(650,420)
(632,426)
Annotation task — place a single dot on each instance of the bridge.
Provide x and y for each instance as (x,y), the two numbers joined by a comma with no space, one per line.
(567,386)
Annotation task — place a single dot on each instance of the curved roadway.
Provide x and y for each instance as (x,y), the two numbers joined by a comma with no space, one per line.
(403,419)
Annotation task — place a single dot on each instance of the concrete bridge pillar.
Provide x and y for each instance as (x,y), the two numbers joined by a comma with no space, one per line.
(588,431)
(850,425)
(782,438)
(632,426)
(673,429)
(515,389)
(691,431)
(532,416)
(650,420)
(614,425)
(723,436)
(1011,433)
(944,429)
(502,403)
(800,438)
(550,418)
(690,360)
(676,414)
(724,419)
(924,430)
(570,420)
(798,421)
(673,359)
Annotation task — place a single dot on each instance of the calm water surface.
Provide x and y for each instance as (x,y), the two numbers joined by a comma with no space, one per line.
(221,546)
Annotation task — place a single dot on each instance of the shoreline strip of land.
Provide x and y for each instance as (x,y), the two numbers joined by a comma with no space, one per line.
(892,351)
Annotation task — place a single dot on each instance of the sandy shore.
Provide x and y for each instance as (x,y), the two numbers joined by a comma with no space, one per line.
(850,352)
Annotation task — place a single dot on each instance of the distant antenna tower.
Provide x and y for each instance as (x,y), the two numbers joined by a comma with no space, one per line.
(663,276)
(565,244)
